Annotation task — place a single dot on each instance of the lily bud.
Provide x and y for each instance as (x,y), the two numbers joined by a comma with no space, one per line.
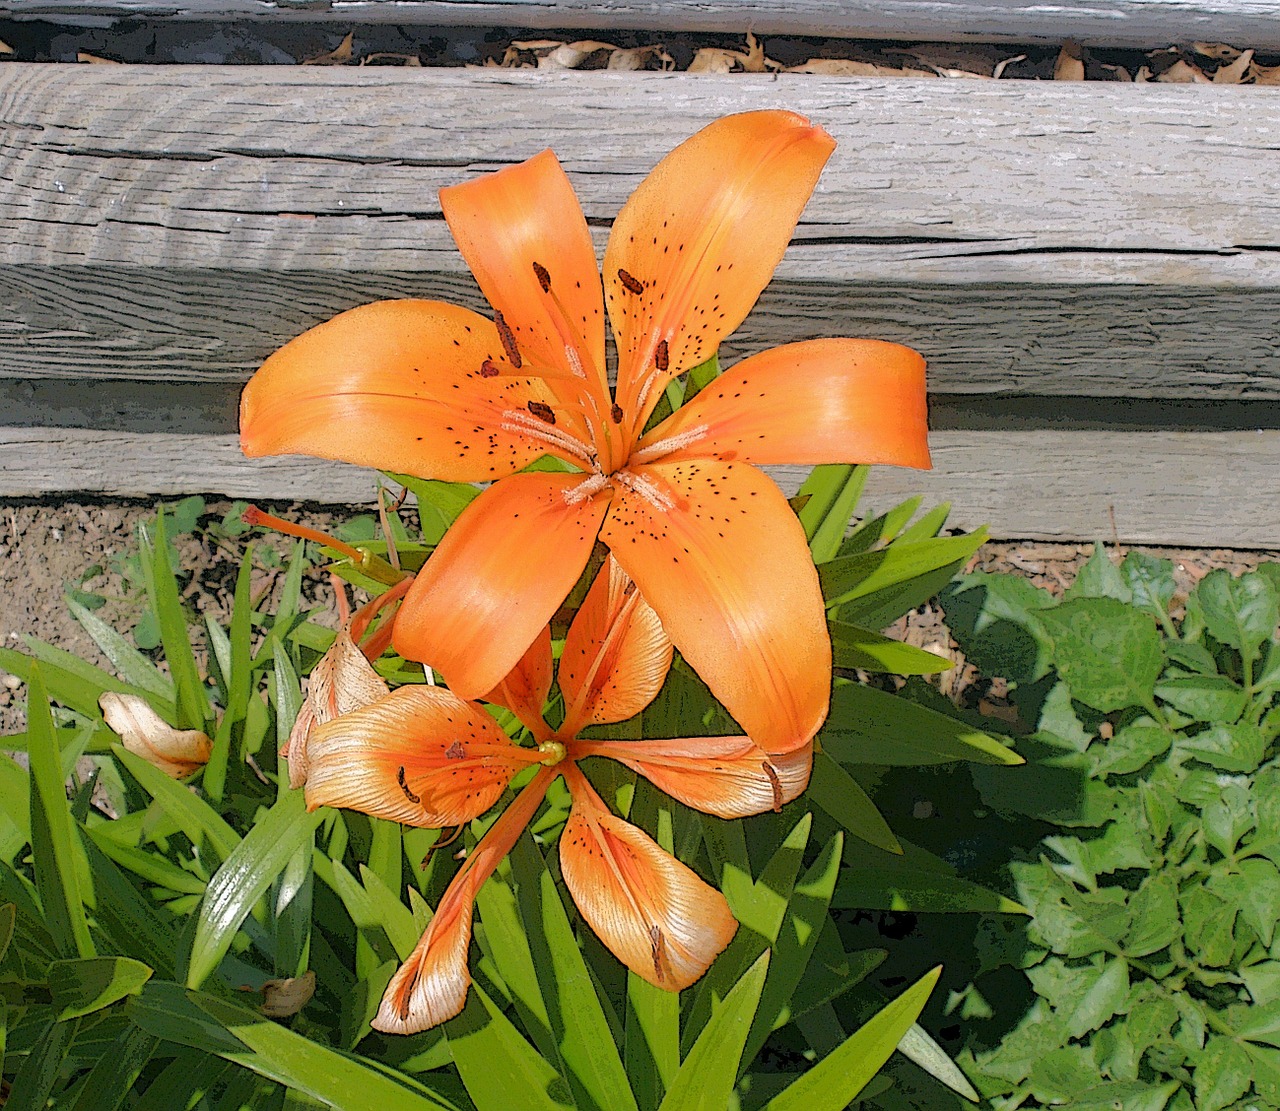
(343,680)
(176,752)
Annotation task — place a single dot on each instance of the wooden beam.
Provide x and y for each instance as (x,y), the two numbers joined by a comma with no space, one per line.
(1202,489)
(1136,23)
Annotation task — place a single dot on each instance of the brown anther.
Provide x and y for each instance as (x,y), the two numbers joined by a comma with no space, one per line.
(542,411)
(508,338)
(775,783)
(616,414)
(488,369)
(544,278)
(629,590)
(630,284)
(455,751)
(661,356)
(405,787)
(655,942)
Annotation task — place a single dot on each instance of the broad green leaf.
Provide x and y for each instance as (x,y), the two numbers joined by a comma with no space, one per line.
(80,987)
(162,592)
(132,666)
(992,619)
(34,1083)
(840,795)
(249,1039)
(1222,1074)
(854,647)
(833,492)
(194,816)
(244,877)
(54,842)
(1150,580)
(1233,748)
(1153,916)
(1099,578)
(1242,612)
(1108,653)
(869,726)
(1211,698)
(837,1079)
(706,1078)
(1106,989)
(1132,748)
(499,1068)
(439,503)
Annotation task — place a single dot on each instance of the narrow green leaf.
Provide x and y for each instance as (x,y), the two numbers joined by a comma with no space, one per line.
(917,1045)
(848,578)
(244,877)
(855,647)
(80,987)
(112,1077)
(439,503)
(238,682)
(652,1041)
(53,838)
(8,920)
(129,920)
(840,795)
(162,593)
(130,664)
(833,491)
(34,1083)
(193,815)
(880,529)
(835,1080)
(707,1077)
(929,525)
(869,726)
(68,680)
(499,1068)
(180,1084)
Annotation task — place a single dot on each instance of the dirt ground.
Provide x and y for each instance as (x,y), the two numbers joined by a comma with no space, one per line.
(47,549)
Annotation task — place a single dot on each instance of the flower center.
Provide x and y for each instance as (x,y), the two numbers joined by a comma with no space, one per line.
(553,752)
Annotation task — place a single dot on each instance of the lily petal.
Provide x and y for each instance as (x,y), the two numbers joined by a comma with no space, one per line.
(821,401)
(343,680)
(176,752)
(730,777)
(500,573)
(395,385)
(421,756)
(524,690)
(506,222)
(616,655)
(699,239)
(431,986)
(717,551)
(654,913)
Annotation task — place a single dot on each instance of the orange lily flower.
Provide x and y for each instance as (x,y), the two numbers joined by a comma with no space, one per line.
(429,389)
(425,757)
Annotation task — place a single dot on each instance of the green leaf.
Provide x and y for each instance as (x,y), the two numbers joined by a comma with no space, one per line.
(1153,916)
(80,987)
(499,1068)
(131,665)
(238,682)
(162,592)
(869,726)
(439,503)
(833,491)
(1222,1074)
(195,817)
(1242,612)
(1132,748)
(706,1078)
(1210,698)
(244,877)
(884,579)
(1106,989)
(1108,653)
(838,1078)
(840,795)
(54,841)
(1150,581)
(34,1083)
(1233,748)
(110,1081)
(1099,578)
(992,618)
(854,647)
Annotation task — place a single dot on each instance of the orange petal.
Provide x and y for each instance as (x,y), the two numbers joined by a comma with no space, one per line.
(616,655)
(522,227)
(420,756)
(431,986)
(497,577)
(654,914)
(717,551)
(702,236)
(524,690)
(729,777)
(394,385)
(821,401)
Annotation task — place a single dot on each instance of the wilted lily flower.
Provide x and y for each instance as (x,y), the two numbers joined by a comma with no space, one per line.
(429,389)
(176,752)
(425,757)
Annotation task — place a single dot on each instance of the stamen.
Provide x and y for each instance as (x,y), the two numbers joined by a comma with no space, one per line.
(775,783)
(662,356)
(585,489)
(488,369)
(405,787)
(630,284)
(616,414)
(508,338)
(440,845)
(668,444)
(252,515)
(575,360)
(656,942)
(542,411)
(526,425)
(544,278)
(645,487)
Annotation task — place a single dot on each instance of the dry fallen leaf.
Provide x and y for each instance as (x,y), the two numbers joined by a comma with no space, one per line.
(1183,72)
(1236,72)
(339,56)
(1070,63)
(93,59)
(176,752)
(714,59)
(388,56)
(5,48)
(286,997)
(1218,51)
(1266,75)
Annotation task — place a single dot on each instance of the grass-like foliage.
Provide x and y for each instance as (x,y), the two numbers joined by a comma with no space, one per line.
(212,944)
(1155,891)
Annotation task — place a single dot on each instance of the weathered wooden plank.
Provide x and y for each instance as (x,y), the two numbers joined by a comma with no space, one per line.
(1105,22)
(178,223)
(1211,489)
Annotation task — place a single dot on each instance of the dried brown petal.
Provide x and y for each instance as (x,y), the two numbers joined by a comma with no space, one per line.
(176,752)
(286,997)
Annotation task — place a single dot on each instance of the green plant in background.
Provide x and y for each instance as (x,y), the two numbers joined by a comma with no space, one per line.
(220,947)
(1154,889)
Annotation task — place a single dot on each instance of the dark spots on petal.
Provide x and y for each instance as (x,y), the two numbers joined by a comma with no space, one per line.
(488,369)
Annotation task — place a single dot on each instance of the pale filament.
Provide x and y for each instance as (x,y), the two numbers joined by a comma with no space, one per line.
(585,489)
(646,488)
(526,424)
(665,446)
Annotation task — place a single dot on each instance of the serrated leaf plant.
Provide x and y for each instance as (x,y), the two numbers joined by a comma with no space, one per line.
(1151,948)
